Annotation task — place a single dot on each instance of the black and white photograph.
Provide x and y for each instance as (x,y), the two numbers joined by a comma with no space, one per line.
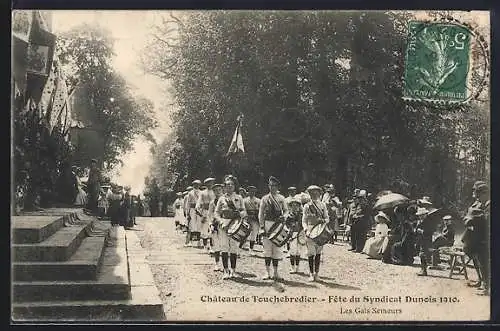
(250,166)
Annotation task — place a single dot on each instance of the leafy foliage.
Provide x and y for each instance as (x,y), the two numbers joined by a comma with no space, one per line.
(116,115)
(321,96)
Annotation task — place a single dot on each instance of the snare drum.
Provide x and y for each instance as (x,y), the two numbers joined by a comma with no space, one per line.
(321,234)
(239,230)
(279,234)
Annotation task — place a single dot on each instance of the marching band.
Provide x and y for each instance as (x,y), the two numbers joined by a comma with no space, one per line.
(220,220)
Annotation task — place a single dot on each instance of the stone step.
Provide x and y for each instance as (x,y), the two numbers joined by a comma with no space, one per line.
(83,265)
(112,281)
(58,247)
(52,212)
(143,305)
(35,229)
(112,284)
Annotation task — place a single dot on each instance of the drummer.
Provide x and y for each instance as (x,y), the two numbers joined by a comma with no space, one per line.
(185,208)
(272,209)
(294,221)
(292,191)
(252,204)
(229,206)
(202,204)
(315,212)
(194,216)
(215,226)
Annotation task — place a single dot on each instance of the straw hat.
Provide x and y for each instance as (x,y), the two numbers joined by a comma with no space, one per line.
(209,180)
(312,188)
(421,211)
(425,201)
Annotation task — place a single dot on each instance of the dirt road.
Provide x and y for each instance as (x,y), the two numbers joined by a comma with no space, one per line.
(352,288)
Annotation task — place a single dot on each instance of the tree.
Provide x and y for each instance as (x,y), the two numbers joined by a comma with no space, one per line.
(321,95)
(115,114)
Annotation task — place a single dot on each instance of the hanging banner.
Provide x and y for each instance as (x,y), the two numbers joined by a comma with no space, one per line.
(22,21)
(44,18)
(59,101)
(38,60)
(39,56)
(237,141)
(48,92)
(67,118)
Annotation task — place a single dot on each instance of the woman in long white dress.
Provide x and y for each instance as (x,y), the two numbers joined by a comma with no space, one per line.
(374,244)
(81,197)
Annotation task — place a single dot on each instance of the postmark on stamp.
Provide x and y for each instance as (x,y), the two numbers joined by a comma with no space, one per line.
(439,64)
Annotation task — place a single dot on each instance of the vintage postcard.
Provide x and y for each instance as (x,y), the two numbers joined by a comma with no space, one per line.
(230,166)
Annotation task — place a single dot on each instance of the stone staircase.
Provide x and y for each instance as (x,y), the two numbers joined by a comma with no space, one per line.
(68,266)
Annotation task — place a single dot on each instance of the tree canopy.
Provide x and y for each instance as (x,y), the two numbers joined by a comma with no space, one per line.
(112,113)
(321,98)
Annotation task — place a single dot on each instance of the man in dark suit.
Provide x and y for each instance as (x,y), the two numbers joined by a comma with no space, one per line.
(94,187)
(476,235)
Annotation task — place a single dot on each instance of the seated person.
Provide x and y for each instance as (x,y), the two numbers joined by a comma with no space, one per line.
(373,245)
(447,236)
(445,239)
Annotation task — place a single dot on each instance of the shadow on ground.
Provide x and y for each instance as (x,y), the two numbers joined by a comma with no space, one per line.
(338,286)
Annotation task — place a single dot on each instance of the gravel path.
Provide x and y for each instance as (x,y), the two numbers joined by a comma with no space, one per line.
(352,288)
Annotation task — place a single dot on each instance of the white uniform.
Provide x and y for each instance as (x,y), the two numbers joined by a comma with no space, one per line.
(216,235)
(202,207)
(178,210)
(335,205)
(227,243)
(184,211)
(270,207)
(295,247)
(192,198)
(252,205)
(315,212)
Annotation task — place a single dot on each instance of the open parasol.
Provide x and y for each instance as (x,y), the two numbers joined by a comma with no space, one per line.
(433,218)
(436,215)
(389,201)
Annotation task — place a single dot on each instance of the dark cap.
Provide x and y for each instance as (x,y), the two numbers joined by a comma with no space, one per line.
(251,188)
(292,188)
(218,185)
(273,180)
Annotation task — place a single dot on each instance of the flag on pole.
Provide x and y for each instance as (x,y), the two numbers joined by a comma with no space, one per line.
(237,141)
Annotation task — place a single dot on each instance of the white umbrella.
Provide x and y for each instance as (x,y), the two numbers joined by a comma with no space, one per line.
(389,201)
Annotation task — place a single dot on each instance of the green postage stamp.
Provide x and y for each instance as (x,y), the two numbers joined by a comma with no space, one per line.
(438,62)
